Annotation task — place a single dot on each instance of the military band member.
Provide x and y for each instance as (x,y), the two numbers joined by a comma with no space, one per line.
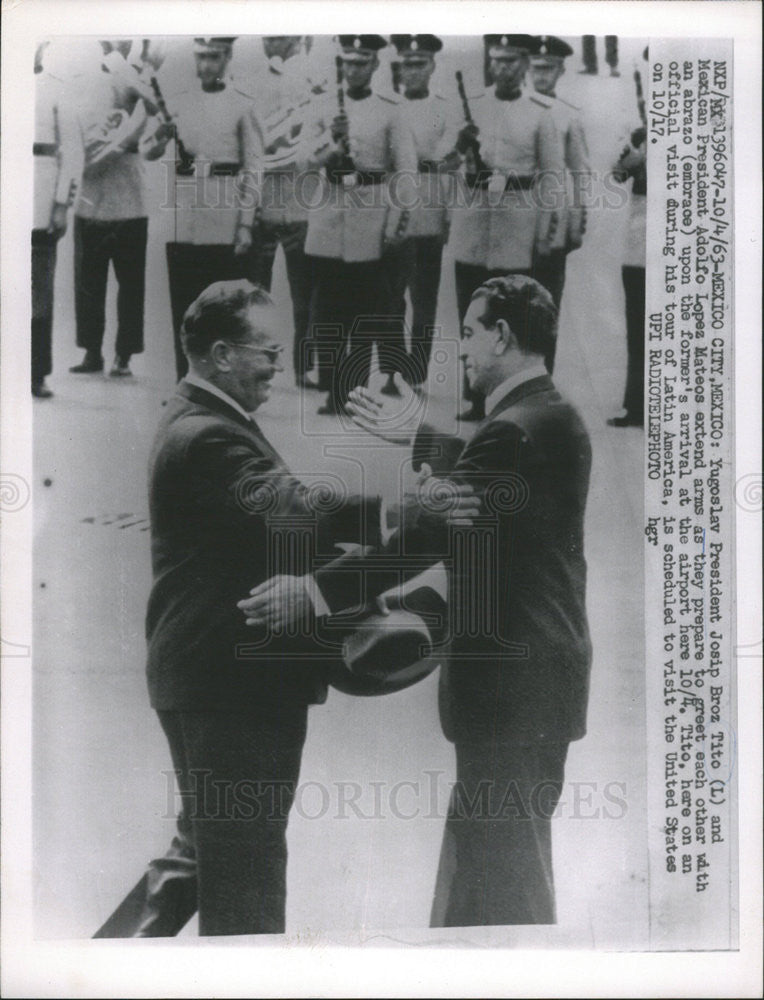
(504,218)
(358,223)
(283,94)
(214,186)
(434,123)
(58,159)
(547,59)
(116,114)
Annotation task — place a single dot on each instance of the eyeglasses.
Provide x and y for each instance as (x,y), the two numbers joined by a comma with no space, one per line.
(271,353)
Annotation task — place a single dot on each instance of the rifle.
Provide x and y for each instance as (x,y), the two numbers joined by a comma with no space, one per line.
(184,164)
(474,164)
(345,164)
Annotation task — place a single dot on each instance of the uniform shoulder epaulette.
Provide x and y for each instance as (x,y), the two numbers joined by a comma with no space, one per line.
(543,102)
(573,107)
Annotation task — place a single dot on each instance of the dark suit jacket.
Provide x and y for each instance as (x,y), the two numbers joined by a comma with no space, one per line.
(520,656)
(226,514)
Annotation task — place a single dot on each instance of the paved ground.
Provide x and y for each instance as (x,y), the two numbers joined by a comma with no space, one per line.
(102,799)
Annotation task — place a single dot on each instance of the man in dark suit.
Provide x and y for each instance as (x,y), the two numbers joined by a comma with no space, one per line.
(233,704)
(514,691)
(511,712)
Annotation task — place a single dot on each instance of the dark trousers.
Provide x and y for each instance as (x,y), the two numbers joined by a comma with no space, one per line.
(123,244)
(44,245)
(634,287)
(590,52)
(291,236)
(421,260)
(191,268)
(496,859)
(353,311)
(551,274)
(237,774)
(611,50)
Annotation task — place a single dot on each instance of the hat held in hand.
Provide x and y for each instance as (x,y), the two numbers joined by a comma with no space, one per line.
(386,653)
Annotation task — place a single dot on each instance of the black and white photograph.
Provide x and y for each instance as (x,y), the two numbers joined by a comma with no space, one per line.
(382,490)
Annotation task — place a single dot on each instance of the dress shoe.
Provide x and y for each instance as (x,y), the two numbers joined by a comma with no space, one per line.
(615,72)
(625,421)
(470,416)
(304,382)
(120,368)
(89,365)
(40,390)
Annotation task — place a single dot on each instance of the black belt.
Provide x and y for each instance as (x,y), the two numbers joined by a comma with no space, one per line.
(429,166)
(45,149)
(513,182)
(362,177)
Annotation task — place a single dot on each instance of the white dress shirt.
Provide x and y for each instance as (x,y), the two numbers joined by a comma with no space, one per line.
(202,383)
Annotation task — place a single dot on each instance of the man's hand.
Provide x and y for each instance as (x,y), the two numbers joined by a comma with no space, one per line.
(340,128)
(392,242)
(542,250)
(164,132)
(57,225)
(467,138)
(445,501)
(278,603)
(242,242)
(451,161)
(395,419)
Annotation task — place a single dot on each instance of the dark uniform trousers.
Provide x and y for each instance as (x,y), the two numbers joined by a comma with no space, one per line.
(353,310)
(421,260)
(496,859)
(191,268)
(97,243)
(228,859)
(551,274)
(634,288)
(590,52)
(44,245)
(291,236)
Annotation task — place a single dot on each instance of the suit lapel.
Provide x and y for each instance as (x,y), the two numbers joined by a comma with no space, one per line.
(210,401)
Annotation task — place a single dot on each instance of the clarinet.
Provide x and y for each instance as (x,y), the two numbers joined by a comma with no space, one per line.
(184,164)
(345,164)
(474,164)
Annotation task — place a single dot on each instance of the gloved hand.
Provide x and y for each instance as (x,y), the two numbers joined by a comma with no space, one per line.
(467,138)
